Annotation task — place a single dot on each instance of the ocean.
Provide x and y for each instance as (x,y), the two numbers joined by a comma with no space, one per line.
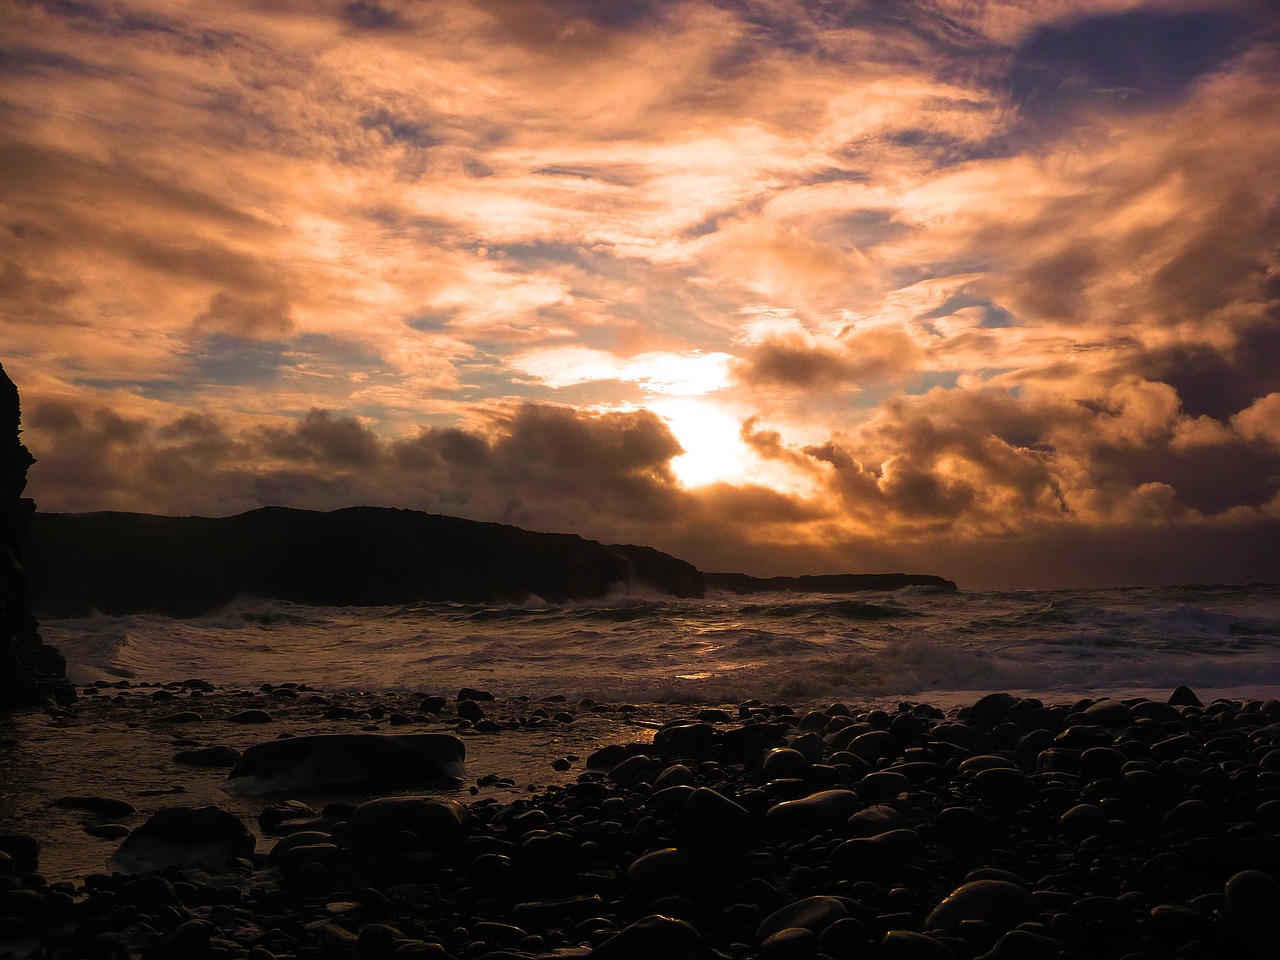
(617,669)
(914,643)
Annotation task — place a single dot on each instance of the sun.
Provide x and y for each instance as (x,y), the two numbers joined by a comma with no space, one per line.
(712,440)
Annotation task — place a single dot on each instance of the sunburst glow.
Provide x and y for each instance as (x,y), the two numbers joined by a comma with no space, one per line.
(713,446)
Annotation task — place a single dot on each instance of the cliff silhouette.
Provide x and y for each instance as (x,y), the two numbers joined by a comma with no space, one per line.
(360,556)
(119,563)
(30,671)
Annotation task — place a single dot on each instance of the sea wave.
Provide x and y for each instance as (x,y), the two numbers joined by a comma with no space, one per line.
(640,648)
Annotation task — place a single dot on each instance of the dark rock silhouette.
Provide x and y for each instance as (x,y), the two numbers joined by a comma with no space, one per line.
(30,672)
(348,759)
(120,563)
(183,566)
(824,583)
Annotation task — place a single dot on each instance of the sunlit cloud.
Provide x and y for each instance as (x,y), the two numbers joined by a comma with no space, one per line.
(690,374)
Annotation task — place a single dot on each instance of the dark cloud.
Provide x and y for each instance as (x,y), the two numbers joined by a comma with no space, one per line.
(1056,287)
(115,430)
(20,59)
(18,286)
(1210,478)
(1224,259)
(550,467)
(193,426)
(993,315)
(959,459)
(986,459)
(53,417)
(69,178)
(249,318)
(796,363)
(1217,382)
(325,440)
(558,441)
(854,359)
(441,448)
(623,175)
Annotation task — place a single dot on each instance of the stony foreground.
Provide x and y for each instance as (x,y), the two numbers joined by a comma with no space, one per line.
(1009,830)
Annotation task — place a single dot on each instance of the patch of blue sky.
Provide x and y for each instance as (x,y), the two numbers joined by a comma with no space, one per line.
(946,150)
(993,315)
(152,388)
(1134,59)
(232,361)
(923,382)
(27,58)
(486,376)
(430,320)
(620,175)
(862,229)
(835,175)
(545,253)
(395,129)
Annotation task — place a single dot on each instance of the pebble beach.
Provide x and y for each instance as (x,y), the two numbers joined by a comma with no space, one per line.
(1007,827)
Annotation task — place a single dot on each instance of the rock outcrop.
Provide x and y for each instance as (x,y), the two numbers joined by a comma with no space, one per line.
(30,672)
(121,563)
(826,583)
(125,563)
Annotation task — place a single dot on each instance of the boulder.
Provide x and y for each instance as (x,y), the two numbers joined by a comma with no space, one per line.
(663,872)
(348,759)
(710,819)
(685,738)
(814,914)
(206,837)
(438,823)
(1000,903)
(216,756)
(654,936)
(812,814)
(1251,902)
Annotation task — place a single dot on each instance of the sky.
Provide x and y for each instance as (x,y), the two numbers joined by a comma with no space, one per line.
(989,290)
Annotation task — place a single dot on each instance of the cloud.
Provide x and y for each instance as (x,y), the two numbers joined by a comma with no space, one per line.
(325,441)
(846,361)
(1261,420)
(534,462)
(250,319)
(679,374)
(894,286)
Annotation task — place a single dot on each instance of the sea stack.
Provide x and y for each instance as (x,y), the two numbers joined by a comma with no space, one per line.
(30,671)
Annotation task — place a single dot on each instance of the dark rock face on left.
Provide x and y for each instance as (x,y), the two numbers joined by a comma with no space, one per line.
(30,672)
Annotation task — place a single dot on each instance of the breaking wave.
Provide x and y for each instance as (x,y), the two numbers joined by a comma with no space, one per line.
(908,643)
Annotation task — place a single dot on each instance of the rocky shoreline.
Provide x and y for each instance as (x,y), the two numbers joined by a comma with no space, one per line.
(1006,829)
